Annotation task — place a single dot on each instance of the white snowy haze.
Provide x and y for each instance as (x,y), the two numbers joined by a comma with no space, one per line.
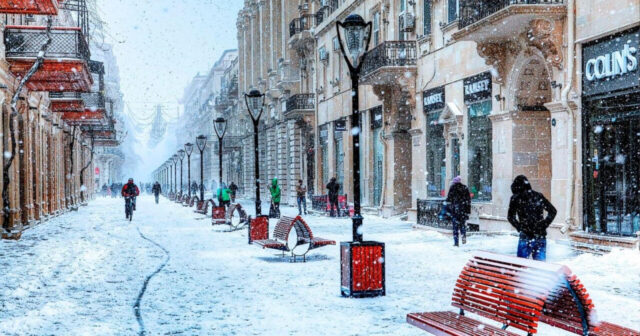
(160,45)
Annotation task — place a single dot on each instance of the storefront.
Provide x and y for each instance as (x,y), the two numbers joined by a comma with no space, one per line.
(477,98)
(339,128)
(611,136)
(433,103)
(323,141)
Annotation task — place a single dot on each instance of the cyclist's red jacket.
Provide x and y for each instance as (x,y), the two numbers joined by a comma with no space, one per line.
(130,190)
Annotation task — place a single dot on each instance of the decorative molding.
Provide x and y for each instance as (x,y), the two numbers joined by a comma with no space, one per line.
(496,54)
(546,36)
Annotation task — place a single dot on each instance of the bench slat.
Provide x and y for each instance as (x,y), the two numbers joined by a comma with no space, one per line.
(449,323)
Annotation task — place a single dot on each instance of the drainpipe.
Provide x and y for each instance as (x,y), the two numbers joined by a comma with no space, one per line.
(565,103)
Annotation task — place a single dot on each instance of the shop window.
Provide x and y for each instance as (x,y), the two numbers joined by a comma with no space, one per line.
(452,10)
(480,150)
(339,160)
(426,18)
(436,164)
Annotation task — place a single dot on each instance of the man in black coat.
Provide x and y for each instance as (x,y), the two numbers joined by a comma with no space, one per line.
(459,207)
(156,190)
(334,188)
(526,214)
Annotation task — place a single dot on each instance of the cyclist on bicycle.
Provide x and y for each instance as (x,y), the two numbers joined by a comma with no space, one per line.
(131,190)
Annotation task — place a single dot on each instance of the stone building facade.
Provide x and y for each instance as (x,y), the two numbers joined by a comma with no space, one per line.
(455,87)
(49,139)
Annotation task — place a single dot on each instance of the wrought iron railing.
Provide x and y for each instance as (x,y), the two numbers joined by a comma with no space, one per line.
(27,42)
(65,95)
(428,213)
(390,54)
(298,25)
(472,11)
(302,101)
(93,100)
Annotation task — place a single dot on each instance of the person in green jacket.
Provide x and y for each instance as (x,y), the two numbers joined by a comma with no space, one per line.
(224,195)
(274,189)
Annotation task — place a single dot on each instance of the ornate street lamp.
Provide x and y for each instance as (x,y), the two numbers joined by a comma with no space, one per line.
(220,126)
(255,104)
(181,154)
(201,142)
(354,35)
(188,148)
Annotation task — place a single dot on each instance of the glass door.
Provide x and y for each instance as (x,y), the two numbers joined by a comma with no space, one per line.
(378,161)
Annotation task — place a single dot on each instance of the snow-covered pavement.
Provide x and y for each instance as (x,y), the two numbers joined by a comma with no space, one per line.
(81,273)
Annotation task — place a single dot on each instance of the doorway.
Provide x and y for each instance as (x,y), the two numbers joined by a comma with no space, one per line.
(378,154)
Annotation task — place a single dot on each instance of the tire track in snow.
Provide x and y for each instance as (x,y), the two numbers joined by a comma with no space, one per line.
(136,306)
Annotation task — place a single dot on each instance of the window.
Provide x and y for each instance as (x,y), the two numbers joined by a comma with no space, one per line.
(376,28)
(436,164)
(336,43)
(403,5)
(426,18)
(480,150)
(453,6)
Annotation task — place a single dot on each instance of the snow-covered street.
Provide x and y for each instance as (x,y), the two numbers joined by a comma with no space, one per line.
(81,273)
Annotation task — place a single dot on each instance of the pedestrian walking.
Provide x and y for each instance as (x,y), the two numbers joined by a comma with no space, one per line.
(301,193)
(234,190)
(458,205)
(334,188)
(156,190)
(526,214)
(224,195)
(274,189)
(194,187)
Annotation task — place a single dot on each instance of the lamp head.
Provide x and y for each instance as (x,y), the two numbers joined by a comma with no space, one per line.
(255,103)
(188,147)
(220,126)
(201,142)
(354,35)
(181,154)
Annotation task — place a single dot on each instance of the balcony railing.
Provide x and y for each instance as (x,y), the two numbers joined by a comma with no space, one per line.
(93,101)
(65,95)
(26,42)
(390,54)
(472,11)
(328,7)
(298,25)
(300,102)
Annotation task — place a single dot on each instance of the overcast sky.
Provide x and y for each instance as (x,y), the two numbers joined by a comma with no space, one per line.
(161,44)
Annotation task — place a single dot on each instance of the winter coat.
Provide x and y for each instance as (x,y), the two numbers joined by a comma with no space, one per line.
(526,209)
(301,190)
(459,201)
(275,191)
(334,189)
(157,189)
(224,194)
(130,189)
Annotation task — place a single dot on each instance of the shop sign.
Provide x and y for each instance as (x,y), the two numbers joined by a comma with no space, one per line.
(376,117)
(433,99)
(477,88)
(340,125)
(611,63)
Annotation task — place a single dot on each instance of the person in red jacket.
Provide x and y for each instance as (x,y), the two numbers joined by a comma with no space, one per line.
(131,190)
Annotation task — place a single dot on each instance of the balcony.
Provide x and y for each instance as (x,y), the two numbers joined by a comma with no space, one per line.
(287,75)
(65,66)
(502,19)
(93,101)
(35,7)
(66,102)
(300,30)
(85,118)
(389,62)
(300,105)
(329,6)
(222,102)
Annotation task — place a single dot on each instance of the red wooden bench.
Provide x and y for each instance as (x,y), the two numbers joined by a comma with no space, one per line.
(518,293)
(203,207)
(300,245)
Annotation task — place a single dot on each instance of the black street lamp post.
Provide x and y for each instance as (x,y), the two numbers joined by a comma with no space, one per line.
(255,104)
(181,154)
(188,148)
(258,227)
(174,159)
(354,35)
(220,127)
(201,142)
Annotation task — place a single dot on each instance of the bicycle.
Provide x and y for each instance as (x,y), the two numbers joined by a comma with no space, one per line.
(128,207)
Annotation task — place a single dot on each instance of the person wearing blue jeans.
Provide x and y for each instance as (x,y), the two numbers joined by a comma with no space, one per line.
(526,214)
(301,192)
